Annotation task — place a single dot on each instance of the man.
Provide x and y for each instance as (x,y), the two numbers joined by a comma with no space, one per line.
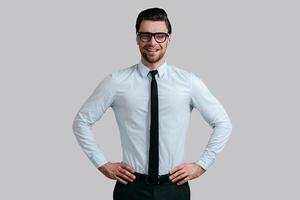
(152,102)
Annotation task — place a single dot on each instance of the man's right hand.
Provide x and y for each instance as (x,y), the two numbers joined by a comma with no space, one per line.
(118,171)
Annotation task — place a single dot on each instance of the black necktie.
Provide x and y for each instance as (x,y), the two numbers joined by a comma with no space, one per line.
(153,150)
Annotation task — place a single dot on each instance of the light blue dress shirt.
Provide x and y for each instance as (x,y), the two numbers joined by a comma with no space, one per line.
(127,92)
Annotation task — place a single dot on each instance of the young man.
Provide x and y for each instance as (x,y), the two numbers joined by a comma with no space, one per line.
(152,102)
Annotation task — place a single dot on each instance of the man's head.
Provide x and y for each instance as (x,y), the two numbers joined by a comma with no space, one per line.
(153,30)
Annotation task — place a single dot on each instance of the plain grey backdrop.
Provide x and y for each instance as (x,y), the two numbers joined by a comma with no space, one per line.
(54,53)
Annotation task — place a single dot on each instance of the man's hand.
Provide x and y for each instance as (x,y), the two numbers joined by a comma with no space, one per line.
(185,172)
(118,171)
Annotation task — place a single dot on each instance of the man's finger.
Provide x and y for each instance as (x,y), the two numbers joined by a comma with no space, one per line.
(178,167)
(127,167)
(180,177)
(132,176)
(123,171)
(175,175)
(120,179)
(183,181)
(126,177)
(126,174)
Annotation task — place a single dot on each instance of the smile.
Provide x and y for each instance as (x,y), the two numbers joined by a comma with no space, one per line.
(152,50)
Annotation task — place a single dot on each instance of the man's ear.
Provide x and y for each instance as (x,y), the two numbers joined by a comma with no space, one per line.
(137,39)
(169,40)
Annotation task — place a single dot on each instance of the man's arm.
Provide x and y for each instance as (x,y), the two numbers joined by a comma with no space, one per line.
(91,111)
(215,115)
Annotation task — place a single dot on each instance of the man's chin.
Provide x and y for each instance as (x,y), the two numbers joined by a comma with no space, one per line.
(152,60)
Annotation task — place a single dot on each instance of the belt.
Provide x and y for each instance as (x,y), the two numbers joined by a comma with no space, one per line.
(151,179)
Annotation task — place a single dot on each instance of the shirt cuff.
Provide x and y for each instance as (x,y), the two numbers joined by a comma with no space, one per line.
(98,161)
(205,163)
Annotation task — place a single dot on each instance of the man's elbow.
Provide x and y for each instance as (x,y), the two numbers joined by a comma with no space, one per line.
(224,124)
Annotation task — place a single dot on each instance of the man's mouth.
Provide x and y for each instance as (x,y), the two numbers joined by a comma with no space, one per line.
(152,50)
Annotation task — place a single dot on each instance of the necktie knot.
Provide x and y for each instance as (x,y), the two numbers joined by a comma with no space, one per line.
(153,72)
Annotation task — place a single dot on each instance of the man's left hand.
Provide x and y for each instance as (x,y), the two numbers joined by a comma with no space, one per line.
(185,172)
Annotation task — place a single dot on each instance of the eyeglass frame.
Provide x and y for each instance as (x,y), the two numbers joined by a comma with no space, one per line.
(153,35)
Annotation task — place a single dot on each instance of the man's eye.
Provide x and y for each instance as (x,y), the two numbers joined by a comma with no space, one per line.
(160,36)
(145,35)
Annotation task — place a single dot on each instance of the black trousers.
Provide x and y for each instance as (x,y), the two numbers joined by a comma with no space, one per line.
(139,190)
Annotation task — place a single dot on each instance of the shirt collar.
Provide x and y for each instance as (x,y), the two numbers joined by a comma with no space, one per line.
(144,70)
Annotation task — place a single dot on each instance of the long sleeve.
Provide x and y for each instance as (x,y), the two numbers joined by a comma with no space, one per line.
(215,115)
(90,112)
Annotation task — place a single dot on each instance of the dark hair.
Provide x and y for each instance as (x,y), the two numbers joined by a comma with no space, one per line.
(155,14)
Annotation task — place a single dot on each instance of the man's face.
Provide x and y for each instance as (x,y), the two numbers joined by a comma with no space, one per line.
(152,51)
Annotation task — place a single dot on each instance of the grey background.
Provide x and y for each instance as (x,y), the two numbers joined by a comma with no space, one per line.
(54,53)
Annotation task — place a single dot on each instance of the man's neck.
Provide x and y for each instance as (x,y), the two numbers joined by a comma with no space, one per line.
(153,66)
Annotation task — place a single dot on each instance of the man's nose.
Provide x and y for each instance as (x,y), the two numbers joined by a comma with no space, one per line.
(152,40)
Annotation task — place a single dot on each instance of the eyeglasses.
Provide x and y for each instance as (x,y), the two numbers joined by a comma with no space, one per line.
(147,36)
